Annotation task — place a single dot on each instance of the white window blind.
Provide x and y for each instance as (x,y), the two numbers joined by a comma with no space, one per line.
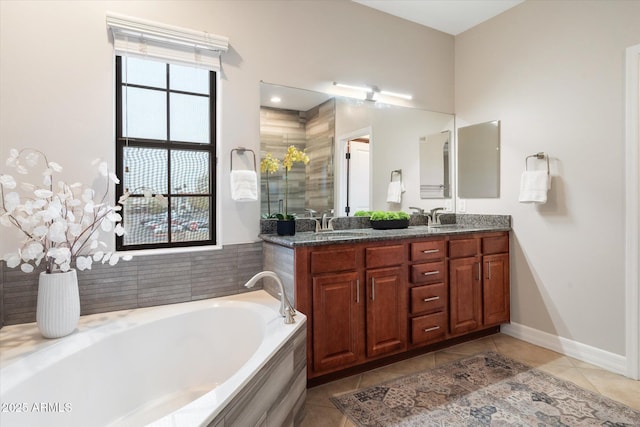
(139,37)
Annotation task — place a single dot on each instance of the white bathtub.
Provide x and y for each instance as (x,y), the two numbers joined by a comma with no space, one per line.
(176,365)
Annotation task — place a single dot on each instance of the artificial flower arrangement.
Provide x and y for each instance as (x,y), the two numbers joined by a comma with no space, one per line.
(270,165)
(61,222)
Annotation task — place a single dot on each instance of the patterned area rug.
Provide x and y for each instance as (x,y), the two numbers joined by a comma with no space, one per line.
(487,389)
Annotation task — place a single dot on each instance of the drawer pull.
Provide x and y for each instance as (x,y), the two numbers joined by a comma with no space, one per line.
(431,273)
(357,291)
(431,299)
(373,289)
(431,251)
(434,328)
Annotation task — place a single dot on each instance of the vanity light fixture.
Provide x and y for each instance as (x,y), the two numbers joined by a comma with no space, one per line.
(371,92)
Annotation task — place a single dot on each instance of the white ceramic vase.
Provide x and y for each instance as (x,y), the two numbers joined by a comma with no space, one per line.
(58,309)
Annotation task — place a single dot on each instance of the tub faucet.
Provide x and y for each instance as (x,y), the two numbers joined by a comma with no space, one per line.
(286,309)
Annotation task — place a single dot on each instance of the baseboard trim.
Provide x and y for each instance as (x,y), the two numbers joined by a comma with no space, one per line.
(595,356)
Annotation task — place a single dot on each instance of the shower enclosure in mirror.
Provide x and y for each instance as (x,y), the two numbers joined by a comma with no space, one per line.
(378,138)
(435,166)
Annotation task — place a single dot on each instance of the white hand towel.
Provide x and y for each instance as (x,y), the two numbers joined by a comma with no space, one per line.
(244,185)
(394,192)
(534,186)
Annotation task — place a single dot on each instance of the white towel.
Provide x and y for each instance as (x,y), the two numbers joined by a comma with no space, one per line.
(394,192)
(534,186)
(244,185)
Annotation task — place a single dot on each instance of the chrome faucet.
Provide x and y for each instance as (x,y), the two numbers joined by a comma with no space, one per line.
(419,211)
(326,223)
(433,217)
(286,309)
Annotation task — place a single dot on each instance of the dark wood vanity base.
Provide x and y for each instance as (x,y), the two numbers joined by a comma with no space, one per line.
(374,364)
(373,302)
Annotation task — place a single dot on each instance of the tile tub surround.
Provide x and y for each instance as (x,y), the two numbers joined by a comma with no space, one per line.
(144,281)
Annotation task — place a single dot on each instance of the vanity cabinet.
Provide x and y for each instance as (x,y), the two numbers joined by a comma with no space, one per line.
(375,301)
(358,304)
(478,282)
(428,294)
(386,321)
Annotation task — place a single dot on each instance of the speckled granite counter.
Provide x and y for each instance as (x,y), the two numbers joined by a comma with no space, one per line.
(461,224)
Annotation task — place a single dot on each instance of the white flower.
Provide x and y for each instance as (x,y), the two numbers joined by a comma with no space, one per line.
(55,166)
(113,260)
(41,193)
(13,260)
(119,230)
(106,226)
(57,232)
(32,251)
(60,224)
(83,263)
(40,230)
(11,201)
(7,181)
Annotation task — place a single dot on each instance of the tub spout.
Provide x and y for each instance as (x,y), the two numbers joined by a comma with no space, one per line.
(286,309)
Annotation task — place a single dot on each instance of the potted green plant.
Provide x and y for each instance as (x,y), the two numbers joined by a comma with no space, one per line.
(382,220)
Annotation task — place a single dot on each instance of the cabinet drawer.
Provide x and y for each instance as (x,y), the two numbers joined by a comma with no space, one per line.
(430,327)
(495,244)
(428,298)
(426,251)
(384,256)
(429,272)
(462,248)
(333,260)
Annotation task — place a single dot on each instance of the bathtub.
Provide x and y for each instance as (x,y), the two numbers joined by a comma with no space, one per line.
(223,361)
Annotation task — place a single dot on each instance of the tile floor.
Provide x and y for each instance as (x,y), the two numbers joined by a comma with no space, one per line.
(319,411)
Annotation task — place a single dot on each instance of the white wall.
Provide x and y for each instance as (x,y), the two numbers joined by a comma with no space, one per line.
(553,73)
(57,83)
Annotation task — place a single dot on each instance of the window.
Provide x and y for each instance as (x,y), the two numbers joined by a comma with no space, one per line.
(165,144)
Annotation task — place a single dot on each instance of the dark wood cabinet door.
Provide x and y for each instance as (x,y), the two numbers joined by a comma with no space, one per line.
(495,289)
(337,299)
(465,295)
(386,311)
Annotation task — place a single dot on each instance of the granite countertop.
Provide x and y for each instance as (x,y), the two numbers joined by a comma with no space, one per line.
(357,235)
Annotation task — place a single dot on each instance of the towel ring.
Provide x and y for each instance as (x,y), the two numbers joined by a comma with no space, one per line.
(399,172)
(242,150)
(540,156)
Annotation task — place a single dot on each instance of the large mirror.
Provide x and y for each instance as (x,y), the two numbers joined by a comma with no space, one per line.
(356,147)
(479,160)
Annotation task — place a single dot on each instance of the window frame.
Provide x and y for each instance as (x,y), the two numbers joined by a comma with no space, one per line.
(123,142)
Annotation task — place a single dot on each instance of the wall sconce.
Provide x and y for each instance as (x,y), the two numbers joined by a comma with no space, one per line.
(371,92)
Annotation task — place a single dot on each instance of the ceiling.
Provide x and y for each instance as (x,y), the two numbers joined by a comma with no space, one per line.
(450,16)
